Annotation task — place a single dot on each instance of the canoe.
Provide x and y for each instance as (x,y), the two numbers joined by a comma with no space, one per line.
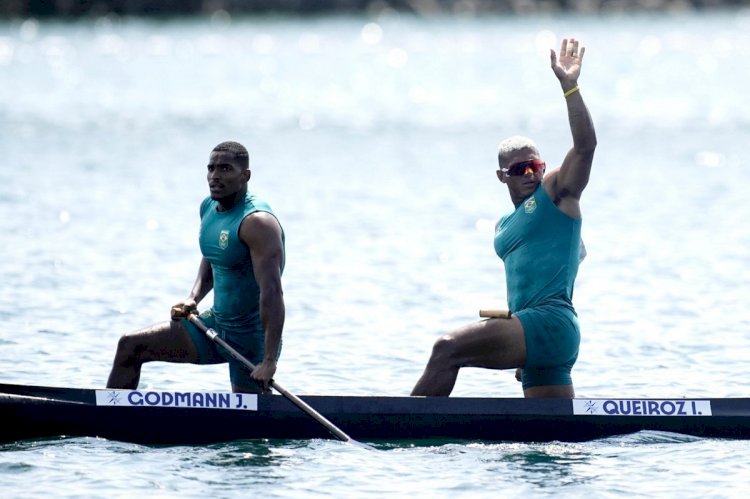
(156,417)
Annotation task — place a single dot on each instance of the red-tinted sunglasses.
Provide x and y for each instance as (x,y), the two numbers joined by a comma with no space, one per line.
(519,169)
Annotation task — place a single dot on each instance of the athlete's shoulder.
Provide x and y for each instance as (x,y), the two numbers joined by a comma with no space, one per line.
(254,203)
(206,205)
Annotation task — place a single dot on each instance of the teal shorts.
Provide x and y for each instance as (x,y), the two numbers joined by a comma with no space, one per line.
(552,341)
(249,344)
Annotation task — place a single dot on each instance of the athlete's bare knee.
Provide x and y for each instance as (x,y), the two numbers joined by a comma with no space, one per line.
(129,348)
(443,349)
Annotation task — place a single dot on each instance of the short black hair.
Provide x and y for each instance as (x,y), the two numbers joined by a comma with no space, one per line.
(235,149)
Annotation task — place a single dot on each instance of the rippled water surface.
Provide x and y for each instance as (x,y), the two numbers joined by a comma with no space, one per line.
(374,140)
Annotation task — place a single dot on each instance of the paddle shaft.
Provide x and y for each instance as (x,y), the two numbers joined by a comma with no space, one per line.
(290,396)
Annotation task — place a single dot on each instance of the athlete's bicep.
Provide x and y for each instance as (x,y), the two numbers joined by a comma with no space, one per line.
(573,175)
(261,233)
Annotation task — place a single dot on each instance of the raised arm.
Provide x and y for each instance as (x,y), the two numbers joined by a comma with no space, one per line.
(261,233)
(568,183)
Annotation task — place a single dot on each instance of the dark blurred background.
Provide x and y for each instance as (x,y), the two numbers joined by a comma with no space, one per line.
(77,8)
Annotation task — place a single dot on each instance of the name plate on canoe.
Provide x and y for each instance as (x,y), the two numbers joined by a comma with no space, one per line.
(182,400)
(641,407)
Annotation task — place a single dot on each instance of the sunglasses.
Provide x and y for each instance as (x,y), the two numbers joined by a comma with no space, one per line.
(519,169)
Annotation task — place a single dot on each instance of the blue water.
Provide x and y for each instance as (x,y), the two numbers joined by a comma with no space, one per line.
(374,139)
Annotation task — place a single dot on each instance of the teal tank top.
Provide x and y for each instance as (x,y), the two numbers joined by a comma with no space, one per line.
(540,246)
(236,293)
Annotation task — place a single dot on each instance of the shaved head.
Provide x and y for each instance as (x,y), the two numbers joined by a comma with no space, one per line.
(235,149)
(514,144)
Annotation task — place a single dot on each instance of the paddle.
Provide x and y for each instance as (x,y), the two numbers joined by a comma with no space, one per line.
(336,432)
(494,313)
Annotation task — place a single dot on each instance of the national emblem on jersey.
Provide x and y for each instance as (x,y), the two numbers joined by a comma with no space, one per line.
(224,239)
(529,206)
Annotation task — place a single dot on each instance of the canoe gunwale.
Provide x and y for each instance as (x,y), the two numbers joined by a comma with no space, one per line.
(43,412)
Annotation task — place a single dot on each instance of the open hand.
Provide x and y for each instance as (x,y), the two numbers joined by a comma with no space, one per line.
(567,67)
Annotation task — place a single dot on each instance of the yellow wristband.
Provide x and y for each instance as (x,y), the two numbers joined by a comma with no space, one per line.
(571,91)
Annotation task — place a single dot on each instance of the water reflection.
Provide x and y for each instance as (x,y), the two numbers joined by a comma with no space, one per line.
(542,465)
(252,453)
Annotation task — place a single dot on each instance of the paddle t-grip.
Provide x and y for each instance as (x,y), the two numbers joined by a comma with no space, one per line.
(494,313)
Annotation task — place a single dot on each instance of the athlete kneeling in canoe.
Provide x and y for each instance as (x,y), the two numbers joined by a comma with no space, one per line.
(242,244)
(540,245)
